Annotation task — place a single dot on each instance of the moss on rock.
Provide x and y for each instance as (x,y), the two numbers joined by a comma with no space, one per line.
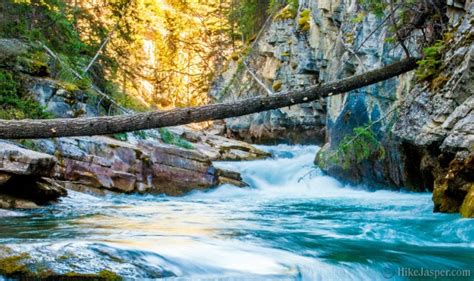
(277,85)
(304,22)
(13,266)
(467,207)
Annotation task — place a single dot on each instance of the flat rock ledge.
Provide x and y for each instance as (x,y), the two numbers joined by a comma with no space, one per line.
(102,165)
(24,178)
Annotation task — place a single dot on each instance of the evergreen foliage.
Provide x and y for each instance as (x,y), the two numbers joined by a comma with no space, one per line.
(429,66)
(170,138)
(361,145)
(13,105)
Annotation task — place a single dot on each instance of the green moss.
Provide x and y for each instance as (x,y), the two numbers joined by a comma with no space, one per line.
(350,37)
(105,275)
(30,144)
(70,87)
(109,275)
(467,207)
(170,138)
(286,13)
(13,105)
(304,20)
(277,85)
(35,62)
(358,18)
(14,266)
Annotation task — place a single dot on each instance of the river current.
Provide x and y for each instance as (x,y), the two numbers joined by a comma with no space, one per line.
(292,223)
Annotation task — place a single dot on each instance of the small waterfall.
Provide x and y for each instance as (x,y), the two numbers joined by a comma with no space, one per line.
(292,223)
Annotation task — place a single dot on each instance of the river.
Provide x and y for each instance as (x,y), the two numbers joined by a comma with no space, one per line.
(289,225)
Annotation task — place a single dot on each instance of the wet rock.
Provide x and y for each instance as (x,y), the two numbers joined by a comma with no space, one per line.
(22,181)
(9,202)
(467,207)
(20,161)
(230,177)
(454,186)
(218,148)
(102,164)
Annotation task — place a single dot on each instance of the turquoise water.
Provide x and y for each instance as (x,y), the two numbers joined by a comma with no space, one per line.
(284,227)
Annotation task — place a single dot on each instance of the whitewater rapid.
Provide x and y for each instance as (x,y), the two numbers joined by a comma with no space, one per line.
(292,223)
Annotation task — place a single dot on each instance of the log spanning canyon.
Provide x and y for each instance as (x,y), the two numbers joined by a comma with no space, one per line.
(67,127)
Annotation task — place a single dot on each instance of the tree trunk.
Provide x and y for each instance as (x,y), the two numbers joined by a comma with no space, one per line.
(21,129)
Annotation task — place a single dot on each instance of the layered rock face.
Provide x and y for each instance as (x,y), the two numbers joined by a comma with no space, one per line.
(440,119)
(426,131)
(24,178)
(419,134)
(283,59)
(102,164)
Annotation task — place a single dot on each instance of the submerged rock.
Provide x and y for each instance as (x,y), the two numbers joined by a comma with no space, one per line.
(21,266)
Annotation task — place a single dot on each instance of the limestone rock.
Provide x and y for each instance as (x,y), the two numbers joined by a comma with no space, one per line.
(467,207)
(102,164)
(20,161)
(218,148)
(283,60)
(22,184)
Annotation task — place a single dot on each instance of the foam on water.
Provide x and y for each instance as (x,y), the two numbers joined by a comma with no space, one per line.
(292,223)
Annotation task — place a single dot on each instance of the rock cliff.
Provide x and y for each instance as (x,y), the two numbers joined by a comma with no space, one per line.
(403,132)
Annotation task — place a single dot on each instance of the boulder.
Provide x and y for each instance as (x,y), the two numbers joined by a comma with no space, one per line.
(102,164)
(22,178)
(20,161)
(453,190)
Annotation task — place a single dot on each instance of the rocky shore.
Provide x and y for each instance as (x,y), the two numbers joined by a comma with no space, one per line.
(171,161)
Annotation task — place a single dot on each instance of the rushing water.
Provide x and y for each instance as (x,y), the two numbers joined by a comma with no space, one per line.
(284,227)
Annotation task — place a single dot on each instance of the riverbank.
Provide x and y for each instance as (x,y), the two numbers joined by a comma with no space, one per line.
(279,228)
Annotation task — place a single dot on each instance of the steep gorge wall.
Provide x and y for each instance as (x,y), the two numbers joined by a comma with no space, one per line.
(424,133)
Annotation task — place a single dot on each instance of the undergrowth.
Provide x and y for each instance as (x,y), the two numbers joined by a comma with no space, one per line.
(12,103)
(355,148)
(171,138)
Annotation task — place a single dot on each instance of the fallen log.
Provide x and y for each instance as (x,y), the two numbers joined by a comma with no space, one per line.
(66,127)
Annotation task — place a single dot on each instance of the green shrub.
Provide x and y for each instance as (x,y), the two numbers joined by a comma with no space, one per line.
(304,20)
(170,138)
(13,105)
(124,99)
(377,7)
(430,66)
(140,134)
(355,148)
(120,136)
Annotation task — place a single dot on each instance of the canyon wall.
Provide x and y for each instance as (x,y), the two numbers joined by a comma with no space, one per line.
(412,134)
